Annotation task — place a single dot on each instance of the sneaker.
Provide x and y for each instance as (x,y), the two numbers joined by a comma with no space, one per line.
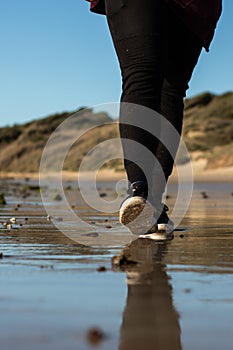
(163,230)
(136,212)
(163,222)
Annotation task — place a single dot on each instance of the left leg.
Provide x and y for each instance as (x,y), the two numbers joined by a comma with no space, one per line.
(184,49)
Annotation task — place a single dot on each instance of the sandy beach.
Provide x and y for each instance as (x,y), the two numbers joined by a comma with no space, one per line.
(128,294)
(200,174)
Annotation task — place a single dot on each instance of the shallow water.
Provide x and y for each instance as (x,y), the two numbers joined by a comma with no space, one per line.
(176,295)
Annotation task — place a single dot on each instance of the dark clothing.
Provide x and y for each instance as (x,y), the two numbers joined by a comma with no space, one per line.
(200,16)
(157,55)
(158,43)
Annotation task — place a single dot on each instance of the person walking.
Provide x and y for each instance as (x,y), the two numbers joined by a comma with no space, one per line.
(158,43)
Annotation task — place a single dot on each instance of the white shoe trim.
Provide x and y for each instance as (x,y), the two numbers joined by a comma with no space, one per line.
(167,228)
(158,236)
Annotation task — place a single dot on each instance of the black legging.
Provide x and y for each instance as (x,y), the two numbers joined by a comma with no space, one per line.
(157,54)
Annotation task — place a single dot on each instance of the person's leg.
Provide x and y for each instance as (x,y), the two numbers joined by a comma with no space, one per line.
(184,49)
(138,31)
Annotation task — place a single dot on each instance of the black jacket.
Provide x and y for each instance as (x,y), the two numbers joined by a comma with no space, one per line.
(201,16)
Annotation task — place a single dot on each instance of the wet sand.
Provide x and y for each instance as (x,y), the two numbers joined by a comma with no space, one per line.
(58,294)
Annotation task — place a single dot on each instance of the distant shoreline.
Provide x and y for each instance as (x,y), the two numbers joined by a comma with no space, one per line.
(199,174)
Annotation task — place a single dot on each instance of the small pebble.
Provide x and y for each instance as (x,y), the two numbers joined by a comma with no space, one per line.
(181,236)
(187,290)
(46,266)
(95,336)
(91,234)
(108,226)
(204,195)
(57,197)
(101,269)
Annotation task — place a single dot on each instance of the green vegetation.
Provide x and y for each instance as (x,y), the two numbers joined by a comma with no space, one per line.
(207,131)
(2,199)
(208,127)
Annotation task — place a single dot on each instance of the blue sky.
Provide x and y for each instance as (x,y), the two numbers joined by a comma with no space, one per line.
(57,56)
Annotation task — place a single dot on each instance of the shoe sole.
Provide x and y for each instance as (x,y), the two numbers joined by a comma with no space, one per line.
(158,236)
(137,214)
(163,232)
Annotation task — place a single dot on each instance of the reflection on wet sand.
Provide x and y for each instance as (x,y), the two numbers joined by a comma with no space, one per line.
(150,320)
(52,294)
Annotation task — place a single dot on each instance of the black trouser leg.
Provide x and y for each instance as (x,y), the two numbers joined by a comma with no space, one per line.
(157,55)
(184,49)
(138,33)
